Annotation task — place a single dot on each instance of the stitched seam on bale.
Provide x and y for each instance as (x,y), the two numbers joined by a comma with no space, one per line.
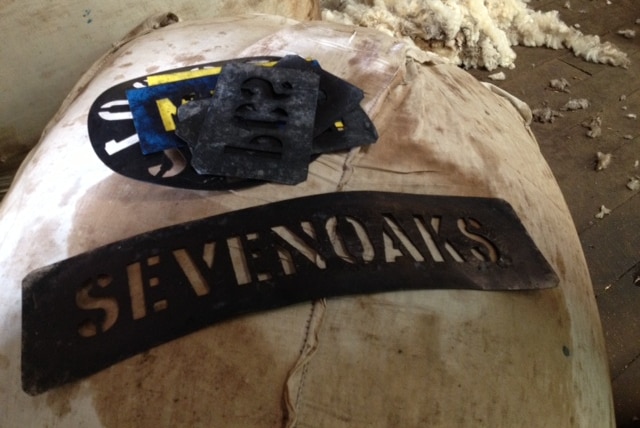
(301,365)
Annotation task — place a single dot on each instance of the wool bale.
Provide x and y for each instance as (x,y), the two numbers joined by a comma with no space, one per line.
(438,357)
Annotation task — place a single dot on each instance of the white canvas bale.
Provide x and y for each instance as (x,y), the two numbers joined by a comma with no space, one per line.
(433,358)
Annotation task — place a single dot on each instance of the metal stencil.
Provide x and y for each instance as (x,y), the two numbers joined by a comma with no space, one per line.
(88,312)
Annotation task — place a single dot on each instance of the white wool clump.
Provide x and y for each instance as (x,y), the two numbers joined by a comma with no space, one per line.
(633,183)
(594,126)
(593,50)
(603,212)
(545,114)
(575,104)
(629,34)
(472,33)
(560,84)
(603,160)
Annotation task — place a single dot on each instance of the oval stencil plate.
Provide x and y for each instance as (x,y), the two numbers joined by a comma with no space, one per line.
(115,140)
(129,132)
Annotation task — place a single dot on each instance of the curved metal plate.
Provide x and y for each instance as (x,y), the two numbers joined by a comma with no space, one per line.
(88,312)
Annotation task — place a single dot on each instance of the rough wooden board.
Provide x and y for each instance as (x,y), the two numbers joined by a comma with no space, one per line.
(572,161)
(572,156)
(612,247)
(589,15)
(532,57)
(621,320)
(570,153)
(606,81)
(533,84)
(611,184)
(626,393)
(629,46)
(527,61)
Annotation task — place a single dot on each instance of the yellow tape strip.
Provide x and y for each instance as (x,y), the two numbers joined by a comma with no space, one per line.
(167,112)
(160,79)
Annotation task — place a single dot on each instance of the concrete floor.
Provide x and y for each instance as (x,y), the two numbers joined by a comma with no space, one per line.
(611,244)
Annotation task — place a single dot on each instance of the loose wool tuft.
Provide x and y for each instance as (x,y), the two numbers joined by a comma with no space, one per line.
(472,33)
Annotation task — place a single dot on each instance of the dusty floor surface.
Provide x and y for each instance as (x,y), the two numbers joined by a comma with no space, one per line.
(612,243)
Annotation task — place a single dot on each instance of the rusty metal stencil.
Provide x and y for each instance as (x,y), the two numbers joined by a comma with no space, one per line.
(259,124)
(336,98)
(86,313)
(145,128)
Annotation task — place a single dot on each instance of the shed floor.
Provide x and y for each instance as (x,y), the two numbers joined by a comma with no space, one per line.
(611,244)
